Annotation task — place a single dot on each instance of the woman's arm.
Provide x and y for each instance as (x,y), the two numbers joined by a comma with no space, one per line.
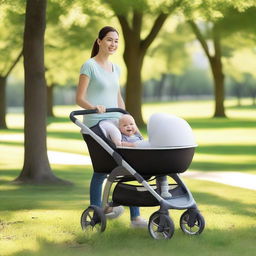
(120,100)
(81,93)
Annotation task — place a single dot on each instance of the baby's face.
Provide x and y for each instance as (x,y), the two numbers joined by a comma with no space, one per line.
(127,126)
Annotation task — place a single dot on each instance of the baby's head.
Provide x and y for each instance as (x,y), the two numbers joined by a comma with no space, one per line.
(127,125)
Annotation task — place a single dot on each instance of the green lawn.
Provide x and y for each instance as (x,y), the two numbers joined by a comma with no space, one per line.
(44,220)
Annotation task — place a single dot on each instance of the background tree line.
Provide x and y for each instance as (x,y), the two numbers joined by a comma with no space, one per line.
(194,83)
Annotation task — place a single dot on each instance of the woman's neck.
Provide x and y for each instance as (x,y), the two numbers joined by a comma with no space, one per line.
(101,58)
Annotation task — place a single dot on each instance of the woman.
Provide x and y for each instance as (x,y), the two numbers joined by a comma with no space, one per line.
(99,89)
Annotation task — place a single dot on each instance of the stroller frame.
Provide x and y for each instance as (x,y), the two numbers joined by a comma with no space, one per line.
(160,224)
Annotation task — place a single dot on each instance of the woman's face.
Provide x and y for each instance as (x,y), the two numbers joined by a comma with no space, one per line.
(109,43)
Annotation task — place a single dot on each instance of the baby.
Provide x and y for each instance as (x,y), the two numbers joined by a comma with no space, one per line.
(129,131)
(130,135)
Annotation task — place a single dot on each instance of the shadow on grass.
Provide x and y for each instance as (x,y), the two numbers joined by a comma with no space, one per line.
(65,135)
(215,166)
(12,143)
(17,197)
(242,107)
(229,206)
(58,120)
(220,123)
(12,130)
(227,149)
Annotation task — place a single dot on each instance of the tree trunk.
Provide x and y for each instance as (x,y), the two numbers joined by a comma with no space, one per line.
(159,88)
(3,103)
(133,90)
(218,76)
(253,95)
(36,168)
(238,92)
(254,99)
(3,80)
(50,90)
(134,53)
(219,92)
(173,90)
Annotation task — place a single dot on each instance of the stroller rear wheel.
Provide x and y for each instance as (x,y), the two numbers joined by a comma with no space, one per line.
(160,226)
(93,219)
(194,227)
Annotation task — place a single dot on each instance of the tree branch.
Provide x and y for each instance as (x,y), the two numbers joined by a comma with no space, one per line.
(158,25)
(125,26)
(200,38)
(137,23)
(154,31)
(14,64)
(216,42)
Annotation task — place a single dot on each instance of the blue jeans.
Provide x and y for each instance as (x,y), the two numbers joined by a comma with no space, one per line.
(96,190)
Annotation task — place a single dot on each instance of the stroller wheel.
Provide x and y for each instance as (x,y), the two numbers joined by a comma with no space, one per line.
(93,219)
(160,226)
(194,228)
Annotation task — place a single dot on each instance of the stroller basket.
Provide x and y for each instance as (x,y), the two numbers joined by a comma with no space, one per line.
(124,194)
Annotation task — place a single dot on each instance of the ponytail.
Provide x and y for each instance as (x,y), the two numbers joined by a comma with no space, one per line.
(103,32)
(95,49)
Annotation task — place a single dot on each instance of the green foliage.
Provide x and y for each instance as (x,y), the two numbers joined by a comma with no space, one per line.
(11,34)
(70,34)
(123,7)
(171,46)
(234,20)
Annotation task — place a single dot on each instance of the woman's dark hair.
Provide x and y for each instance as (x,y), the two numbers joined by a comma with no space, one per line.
(103,32)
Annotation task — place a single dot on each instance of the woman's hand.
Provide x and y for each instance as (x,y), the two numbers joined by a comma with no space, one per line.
(101,109)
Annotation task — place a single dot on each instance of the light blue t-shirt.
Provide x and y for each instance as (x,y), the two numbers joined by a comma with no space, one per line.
(102,90)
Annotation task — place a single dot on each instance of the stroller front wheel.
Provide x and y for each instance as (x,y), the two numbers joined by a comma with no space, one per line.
(160,226)
(93,219)
(194,228)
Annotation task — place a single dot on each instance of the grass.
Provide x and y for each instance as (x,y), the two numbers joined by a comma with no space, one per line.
(44,220)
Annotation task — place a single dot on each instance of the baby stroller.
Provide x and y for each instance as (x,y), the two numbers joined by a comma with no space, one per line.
(142,165)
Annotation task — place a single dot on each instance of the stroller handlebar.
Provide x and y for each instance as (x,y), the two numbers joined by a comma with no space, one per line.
(93,111)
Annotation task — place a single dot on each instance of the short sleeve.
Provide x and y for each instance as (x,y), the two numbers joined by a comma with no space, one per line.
(86,69)
(118,70)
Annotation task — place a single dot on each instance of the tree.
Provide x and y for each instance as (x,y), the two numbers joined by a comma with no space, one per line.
(210,32)
(215,64)
(11,22)
(36,168)
(3,80)
(130,16)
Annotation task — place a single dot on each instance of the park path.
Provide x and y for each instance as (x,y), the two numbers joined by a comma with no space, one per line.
(237,179)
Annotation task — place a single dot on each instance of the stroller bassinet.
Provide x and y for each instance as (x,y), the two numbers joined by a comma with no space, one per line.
(141,164)
(146,161)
